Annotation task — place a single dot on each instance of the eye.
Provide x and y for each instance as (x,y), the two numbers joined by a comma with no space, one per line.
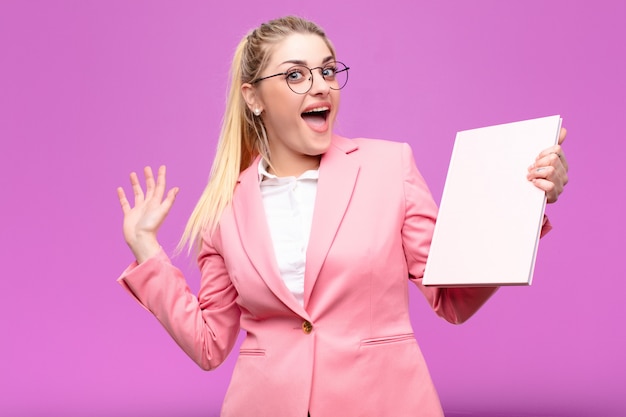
(329,72)
(295,75)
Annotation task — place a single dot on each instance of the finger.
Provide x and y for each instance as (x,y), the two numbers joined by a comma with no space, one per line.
(550,179)
(147,172)
(556,160)
(137,191)
(563,161)
(123,200)
(169,199)
(552,159)
(556,173)
(551,189)
(547,187)
(554,150)
(562,134)
(160,183)
(543,172)
(545,160)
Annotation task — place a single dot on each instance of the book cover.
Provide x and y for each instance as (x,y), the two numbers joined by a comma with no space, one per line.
(490,216)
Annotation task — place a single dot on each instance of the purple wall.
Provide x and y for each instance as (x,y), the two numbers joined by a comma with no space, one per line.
(90,90)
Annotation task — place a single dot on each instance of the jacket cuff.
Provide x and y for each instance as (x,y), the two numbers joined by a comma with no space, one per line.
(136,274)
(546,226)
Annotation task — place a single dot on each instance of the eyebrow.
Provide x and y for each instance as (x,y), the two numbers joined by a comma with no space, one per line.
(301,62)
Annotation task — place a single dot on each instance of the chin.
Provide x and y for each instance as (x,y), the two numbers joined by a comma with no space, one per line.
(321,143)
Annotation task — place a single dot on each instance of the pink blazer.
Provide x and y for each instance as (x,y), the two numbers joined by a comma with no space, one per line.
(350,350)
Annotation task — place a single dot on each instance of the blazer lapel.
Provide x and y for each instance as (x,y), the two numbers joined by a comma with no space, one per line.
(337,177)
(255,236)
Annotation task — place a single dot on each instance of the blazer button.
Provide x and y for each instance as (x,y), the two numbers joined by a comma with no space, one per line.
(307,327)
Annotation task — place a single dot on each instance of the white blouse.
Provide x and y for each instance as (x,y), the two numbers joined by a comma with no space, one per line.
(288,203)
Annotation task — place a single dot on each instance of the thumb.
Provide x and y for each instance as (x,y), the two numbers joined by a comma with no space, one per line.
(562,135)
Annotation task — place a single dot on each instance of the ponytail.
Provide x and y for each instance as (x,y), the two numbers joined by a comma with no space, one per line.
(243,136)
(233,155)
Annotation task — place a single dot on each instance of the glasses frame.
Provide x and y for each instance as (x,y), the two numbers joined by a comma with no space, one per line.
(321,68)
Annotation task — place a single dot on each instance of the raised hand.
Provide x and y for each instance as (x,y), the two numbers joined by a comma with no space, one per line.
(549,172)
(142,222)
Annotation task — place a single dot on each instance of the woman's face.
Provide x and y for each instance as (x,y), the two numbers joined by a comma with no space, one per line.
(299,126)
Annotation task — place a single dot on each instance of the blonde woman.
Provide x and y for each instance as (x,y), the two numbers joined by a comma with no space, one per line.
(306,241)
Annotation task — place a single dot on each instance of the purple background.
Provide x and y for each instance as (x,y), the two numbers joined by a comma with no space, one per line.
(90,90)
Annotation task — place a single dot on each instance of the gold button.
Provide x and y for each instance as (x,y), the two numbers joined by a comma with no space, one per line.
(307,327)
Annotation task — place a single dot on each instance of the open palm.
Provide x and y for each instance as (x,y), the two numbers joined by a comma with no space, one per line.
(142,221)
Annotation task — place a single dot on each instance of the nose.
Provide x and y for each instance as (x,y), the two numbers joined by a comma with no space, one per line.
(319,85)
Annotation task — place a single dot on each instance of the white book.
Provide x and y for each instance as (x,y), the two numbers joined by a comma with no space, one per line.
(490,216)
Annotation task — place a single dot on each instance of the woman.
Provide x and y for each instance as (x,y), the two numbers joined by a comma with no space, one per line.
(305,240)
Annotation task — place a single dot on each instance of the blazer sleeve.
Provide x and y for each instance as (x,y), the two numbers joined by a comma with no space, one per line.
(205,327)
(456,305)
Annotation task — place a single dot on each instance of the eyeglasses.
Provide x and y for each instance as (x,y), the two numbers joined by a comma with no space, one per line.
(299,78)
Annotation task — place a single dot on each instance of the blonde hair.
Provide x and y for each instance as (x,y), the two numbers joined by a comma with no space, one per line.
(243,135)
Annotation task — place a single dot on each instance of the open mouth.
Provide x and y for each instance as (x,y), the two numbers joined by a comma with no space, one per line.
(316,117)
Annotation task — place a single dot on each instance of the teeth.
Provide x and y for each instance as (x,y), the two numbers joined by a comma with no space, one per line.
(317,109)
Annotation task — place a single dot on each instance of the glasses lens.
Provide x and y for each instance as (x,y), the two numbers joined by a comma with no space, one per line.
(299,79)
(336,75)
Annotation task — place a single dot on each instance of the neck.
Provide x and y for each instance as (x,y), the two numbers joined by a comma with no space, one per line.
(293,167)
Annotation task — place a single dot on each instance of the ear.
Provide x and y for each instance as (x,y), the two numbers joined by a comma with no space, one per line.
(251,97)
